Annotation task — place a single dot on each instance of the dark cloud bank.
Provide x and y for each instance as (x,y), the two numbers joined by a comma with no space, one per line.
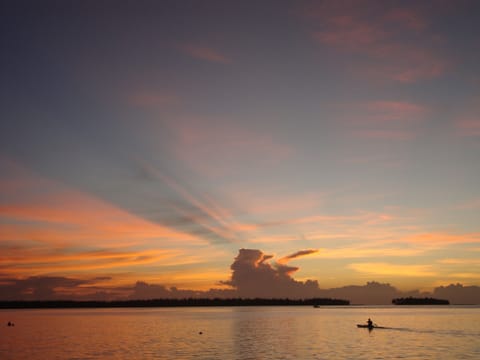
(253,275)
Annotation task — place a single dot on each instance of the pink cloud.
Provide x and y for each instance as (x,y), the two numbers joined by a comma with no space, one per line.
(360,28)
(267,201)
(204,53)
(406,63)
(469,205)
(388,111)
(385,134)
(152,98)
(350,35)
(406,17)
(385,119)
(469,126)
(212,147)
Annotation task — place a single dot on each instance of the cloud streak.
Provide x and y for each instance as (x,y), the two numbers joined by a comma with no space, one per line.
(382,35)
(151,98)
(385,119)
(385,269)
(195,214)
(213,146)
(204,53)
(25,261)
(297,255)
(468,127)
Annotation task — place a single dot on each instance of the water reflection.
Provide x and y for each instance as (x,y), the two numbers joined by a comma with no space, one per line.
(239,333)
(262,334)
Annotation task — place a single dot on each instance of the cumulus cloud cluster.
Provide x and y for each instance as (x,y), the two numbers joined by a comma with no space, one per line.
(254,276)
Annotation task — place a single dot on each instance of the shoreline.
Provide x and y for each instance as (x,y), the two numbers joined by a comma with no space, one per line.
(190,302)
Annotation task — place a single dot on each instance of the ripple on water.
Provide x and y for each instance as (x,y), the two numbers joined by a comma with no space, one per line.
(241,333)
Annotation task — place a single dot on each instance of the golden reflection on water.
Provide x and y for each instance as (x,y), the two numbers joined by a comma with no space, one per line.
(241,333)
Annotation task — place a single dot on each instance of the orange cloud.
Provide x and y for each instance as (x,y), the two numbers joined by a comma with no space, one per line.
(457,261)
(439,238)
(39,209)
(385,269)
(28,263)
(204,53)
(77,217)
(465,275)
(367,252)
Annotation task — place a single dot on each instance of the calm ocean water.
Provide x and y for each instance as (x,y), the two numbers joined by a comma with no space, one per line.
(242,333)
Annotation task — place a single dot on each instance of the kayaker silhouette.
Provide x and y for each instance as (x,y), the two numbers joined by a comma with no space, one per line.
(369,323)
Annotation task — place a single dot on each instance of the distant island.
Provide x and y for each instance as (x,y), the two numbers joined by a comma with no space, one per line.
(52,304)
(419,301)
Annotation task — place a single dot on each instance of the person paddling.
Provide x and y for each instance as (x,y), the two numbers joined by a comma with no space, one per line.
(370,323)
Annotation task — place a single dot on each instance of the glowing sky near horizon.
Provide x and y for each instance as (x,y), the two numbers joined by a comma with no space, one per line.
(151,140)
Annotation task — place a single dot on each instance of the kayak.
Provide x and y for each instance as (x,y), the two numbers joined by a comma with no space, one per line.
(370,327)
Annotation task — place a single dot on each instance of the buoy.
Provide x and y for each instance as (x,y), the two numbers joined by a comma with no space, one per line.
(200,333)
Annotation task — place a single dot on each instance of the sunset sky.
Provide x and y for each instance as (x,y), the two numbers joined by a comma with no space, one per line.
(151,140)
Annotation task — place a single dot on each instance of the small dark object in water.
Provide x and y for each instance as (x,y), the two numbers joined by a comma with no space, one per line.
(200,333)
(10,323)
(370,327)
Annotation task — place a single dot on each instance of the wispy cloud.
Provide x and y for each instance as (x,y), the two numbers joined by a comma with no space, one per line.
(50,228)
(214,147)
(204,53)
(407,18)
(405,64)
(24,262)
(441,238)
(297,254)
(468,127)
(385,119)
(198,214)
(382,111)
(78,218)
(459,261)
(152,98)
(380,268)
(369,251)
(272,200)
(471,204)
(383,35)
(384,134)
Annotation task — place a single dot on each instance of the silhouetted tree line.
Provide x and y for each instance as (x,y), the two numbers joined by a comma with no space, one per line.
(168,303)
(419,301)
